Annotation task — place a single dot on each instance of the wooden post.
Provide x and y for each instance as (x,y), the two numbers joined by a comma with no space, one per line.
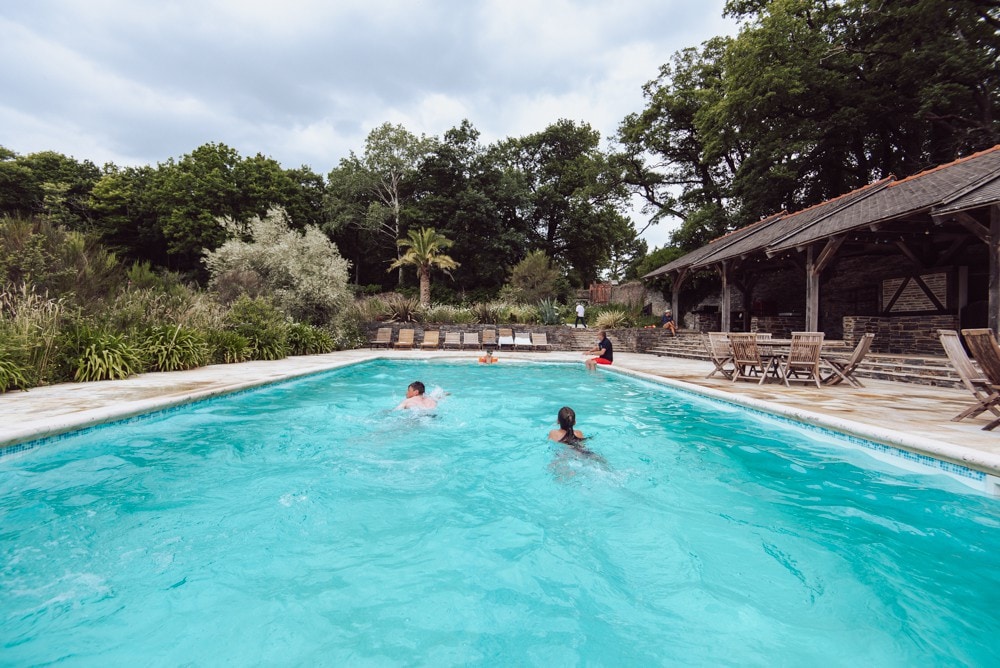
(993,243)
(675,289)
(812,293)
(724,298)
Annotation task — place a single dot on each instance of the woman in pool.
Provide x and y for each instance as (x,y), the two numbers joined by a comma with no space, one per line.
(568,434)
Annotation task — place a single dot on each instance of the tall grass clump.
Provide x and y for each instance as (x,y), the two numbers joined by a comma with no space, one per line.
(174,348)
(30,326)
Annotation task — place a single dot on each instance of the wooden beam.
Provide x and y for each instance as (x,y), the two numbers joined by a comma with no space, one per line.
(973,225)
(905,249)
(929,293)
(829,252)
(675,290)
(948,256)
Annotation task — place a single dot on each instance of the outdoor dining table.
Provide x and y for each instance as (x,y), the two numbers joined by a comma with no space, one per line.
(773,350)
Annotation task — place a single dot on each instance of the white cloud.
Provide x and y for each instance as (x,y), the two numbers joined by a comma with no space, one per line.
(304,81)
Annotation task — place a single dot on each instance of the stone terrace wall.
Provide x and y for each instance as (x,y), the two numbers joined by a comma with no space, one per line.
(781,326)
(900,334)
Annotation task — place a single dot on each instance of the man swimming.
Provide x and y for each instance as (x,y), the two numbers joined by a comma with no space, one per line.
(415,397)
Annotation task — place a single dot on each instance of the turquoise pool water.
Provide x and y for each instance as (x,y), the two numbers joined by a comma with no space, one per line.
(307,523)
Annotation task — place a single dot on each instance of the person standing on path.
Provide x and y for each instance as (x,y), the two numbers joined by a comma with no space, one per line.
(580,320)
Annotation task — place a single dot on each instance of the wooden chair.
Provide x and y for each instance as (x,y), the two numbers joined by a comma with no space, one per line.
(489,338)
(801,364)
(843,368)
(540,341)
(383,337)
(452,340)
(470,339)
(405,339)
(971,377)
(522,340)
(983,346)
(506,338)
(717,347)
(749,363)
(432,339)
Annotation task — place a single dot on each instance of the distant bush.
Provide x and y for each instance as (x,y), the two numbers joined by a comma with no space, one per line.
(302,272)
(93,354)
(612,319)
(228,347)
(262,324)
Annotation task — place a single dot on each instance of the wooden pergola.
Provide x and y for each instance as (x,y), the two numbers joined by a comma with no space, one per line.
(932,219)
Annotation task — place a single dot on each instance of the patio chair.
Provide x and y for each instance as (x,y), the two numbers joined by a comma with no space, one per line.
(452,340)
(540,341)
(971,377)
(717,347)
(522,340)
(801,364)
(470,339)
(432,339)
(506,338)
(749,363)
(405,339)
(489,338)
(983,346)
(843,367)
(383,337)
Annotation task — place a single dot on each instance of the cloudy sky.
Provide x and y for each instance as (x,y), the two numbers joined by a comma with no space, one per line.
(304,81)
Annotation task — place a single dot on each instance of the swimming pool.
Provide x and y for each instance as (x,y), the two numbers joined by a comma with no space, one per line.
(307,522)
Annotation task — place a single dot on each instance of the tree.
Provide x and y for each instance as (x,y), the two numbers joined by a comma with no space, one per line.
(378,181)
(470,198)
(424,248)
(574,196)
(535,278)
(811,100)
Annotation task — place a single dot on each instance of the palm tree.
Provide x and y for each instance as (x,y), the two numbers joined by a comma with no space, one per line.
(424,248)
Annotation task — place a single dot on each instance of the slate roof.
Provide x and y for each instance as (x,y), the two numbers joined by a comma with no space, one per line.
(789,224)
(966,183)
(913,195)
(714,245)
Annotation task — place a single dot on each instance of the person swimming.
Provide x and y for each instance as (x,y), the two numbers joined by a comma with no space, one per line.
(568,434)
(415,397)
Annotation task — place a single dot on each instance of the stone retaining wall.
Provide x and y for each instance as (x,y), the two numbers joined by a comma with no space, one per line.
(900,334)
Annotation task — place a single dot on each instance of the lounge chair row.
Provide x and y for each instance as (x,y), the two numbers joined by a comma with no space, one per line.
(462,340)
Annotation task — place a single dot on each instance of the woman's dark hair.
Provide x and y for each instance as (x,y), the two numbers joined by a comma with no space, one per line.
(418,386)
(567,418)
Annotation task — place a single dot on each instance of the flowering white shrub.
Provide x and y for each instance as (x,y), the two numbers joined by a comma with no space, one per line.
(303,272)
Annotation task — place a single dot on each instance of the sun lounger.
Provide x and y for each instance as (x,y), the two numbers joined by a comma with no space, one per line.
(506,338)
(540,341)
(405,339)
(452,339)
(489,338)
(431,339)
(382,338)
(470,339)
(522,340)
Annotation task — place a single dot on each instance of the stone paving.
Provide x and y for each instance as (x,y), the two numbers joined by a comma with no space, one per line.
(912,417)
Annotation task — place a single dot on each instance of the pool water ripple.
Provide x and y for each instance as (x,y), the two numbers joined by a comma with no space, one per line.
(308,522)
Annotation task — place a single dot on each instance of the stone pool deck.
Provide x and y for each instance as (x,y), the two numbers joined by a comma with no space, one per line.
(914,418)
